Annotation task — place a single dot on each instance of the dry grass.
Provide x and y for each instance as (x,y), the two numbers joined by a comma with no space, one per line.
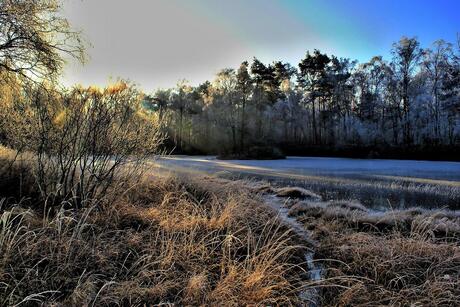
(427,193)
(285,192)
(395,270)
(209,242)
(398,258)
(162,241)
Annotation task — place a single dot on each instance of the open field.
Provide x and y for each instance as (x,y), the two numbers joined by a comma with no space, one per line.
(334,167)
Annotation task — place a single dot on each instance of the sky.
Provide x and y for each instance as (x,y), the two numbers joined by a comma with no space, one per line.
(155,43)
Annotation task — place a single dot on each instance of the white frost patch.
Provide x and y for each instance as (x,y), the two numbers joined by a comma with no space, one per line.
(309,295)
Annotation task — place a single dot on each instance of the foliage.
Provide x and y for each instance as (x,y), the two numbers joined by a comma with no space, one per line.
(33,38)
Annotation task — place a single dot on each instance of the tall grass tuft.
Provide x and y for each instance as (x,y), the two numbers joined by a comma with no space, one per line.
(161,241)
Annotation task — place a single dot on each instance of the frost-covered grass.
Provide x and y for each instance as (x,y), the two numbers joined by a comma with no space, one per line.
(381,184)
(398,258)
(384,194)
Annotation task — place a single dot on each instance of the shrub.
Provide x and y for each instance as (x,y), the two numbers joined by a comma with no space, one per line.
(83,138)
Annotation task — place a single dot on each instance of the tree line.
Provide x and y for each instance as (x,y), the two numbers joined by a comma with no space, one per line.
(326,102)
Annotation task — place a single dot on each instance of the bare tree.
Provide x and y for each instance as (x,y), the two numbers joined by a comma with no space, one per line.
(435,64)
(226,96)
(34,38)
(406,54)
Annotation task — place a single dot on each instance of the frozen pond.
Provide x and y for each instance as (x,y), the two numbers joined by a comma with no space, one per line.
(377,183)
(326,166)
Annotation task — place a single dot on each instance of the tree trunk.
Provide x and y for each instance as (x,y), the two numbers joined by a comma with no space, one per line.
(243,125)
(313,115)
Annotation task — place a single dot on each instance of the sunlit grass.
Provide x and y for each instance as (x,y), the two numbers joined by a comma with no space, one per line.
(161,241)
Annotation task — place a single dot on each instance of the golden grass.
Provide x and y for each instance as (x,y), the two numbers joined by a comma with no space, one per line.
(296,192)
(162,241)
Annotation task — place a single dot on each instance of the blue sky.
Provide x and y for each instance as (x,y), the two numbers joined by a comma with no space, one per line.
(362,28)
(157,42)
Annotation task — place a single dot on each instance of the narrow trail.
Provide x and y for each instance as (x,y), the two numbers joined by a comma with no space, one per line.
(310,295)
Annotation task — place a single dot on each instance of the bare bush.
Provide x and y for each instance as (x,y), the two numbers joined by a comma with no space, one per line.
(83,138)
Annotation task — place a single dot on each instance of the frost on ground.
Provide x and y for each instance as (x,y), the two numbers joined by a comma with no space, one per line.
(399,257)
(360,256)
(326,166)
(375,183)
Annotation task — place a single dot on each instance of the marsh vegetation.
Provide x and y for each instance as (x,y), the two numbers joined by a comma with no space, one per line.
(90,215)
(158,241)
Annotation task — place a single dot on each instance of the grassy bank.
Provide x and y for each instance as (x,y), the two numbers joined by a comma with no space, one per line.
(398,258)
(160,241)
